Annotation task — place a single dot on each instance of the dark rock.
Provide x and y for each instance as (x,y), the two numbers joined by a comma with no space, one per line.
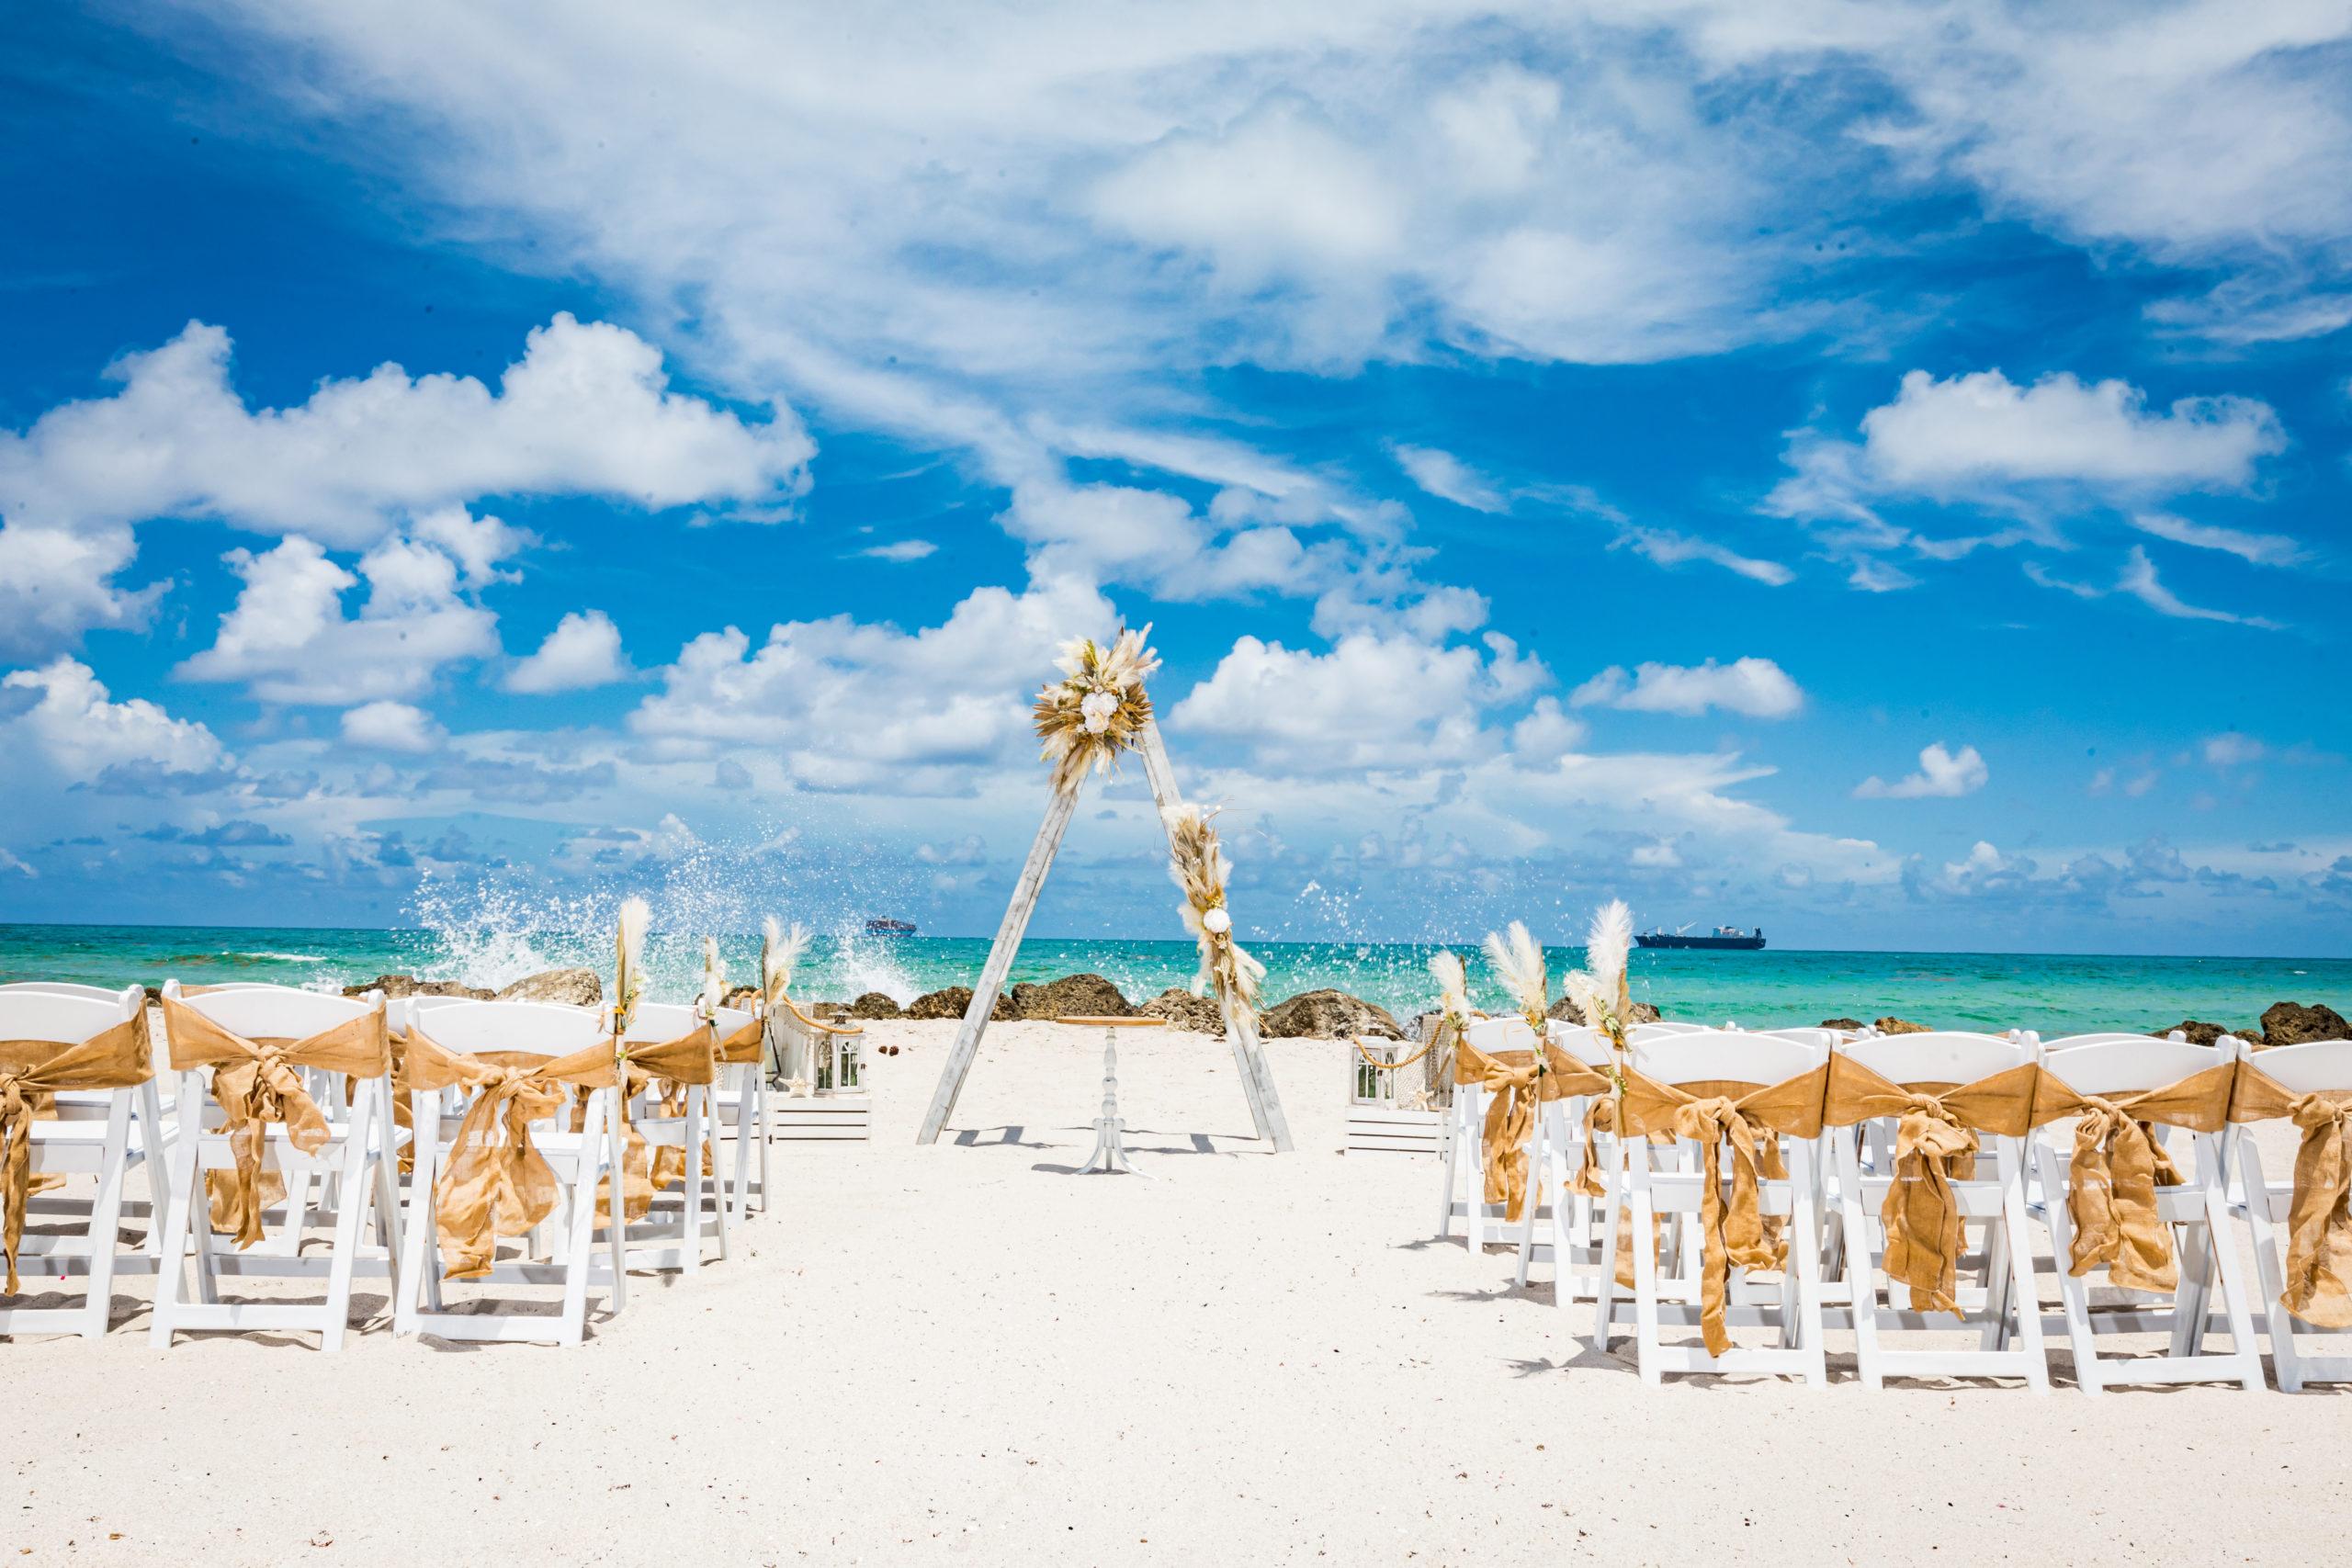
(1567,1012)
(1328,1015)
(874,1004)
(953,1001)
(828,1010)
(410,985)
(1853,1025)
(2198,1034)
(1645,1013)
(574,988)
(1182,1010)
(1072,995)
(2292,1023)
(1901,1026)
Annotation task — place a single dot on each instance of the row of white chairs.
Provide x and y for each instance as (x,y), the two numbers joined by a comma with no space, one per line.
(347,1210)
(1830,1203)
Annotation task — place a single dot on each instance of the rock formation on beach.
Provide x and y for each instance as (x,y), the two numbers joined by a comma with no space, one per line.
(1328,1015)
(952,1003)
(1854,1024)
(573,987)
(1892,1025)
(1567,1011)
(2198,1032)
(1072,995)
(874,1004)
(396,986)
(1184,1010)
(2292,1023)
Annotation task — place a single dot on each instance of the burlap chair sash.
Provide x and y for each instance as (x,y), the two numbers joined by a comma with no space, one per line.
(1935,1144)
(2118,1165)
(32,1073)
(2319,1216)
(257,1082)
(1748,1120)
(744,1045)
(1513,1090)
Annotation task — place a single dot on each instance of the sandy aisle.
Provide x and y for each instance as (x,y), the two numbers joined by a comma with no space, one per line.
(960,1353)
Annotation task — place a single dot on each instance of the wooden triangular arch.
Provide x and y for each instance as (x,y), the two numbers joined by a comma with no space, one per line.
(1240,1022)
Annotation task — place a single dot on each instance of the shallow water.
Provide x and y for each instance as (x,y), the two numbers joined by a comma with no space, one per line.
(2052,993)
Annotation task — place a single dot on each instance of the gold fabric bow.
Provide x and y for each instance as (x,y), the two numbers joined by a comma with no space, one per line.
(32,1072)
(258,1082)
(673,1066)
(1514,1087)
(743,1046)
(1748,1120)
(2319,1216)
(1935,1145)
(2118,1165)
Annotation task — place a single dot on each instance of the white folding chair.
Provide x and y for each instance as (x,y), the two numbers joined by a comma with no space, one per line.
(688,1130)
(2194,1215)
(2319,1066)
(740,1102)
(102,1133)
(1566,1231)
(1464,1140)
(2006,1307)
(358,1152)
(2100,1037)
(1708,1058)
(579,1161)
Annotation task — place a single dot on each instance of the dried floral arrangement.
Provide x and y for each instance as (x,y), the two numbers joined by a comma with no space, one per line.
(1196,864)
(1098,707)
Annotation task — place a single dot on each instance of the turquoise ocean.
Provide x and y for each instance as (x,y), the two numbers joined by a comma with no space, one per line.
(2052,993)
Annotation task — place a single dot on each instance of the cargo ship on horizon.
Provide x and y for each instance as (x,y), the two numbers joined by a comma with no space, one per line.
(1725,939)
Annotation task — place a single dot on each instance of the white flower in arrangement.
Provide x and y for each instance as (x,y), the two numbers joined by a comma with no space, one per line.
(1216,920)
(1098,707)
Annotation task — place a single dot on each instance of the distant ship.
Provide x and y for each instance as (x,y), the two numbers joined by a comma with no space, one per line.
(889,928)
(1726,939)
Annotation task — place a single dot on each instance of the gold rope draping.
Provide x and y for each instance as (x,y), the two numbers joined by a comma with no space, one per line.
(32,1072)
(2319,1216)
(1750,1120)
(495,1182)
(1935,1142)
(2118,1165)
(257,1083)
(1513,1087)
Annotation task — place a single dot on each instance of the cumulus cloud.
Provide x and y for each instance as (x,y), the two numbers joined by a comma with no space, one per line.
(288,637)
(583,650)
(56,584)
(1757,688)
(74,723)
(391,727)
(1943,775)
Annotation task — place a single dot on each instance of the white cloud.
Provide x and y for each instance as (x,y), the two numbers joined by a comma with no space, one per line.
(2231,749)
(56,584)
(1448,477)
(1670,549)
(2140,580)
(2262,550)
(1371,702)
(1943,775)
(900,551)
(75,724)
(288,636)
(583,650)
(1757,688)
(391,727)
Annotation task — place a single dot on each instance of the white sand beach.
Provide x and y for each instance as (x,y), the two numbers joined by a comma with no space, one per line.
(963,1353)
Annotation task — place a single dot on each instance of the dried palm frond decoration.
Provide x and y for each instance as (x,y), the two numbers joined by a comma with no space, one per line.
(1196,864)
(629,961)
(1096,709)
(780,954)
(1518,963)
(1599,988)
(1452,989)
(713,978)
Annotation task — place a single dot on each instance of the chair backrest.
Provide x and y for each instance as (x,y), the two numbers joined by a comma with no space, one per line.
(663,1021)
(2131,1065)
(1507,1032)
(275,1013)
(1662,1027)
(64,988)
(1724,1055)
(1949,1058)
(542,1028)
(2099,1037)
(2313,1067)
(29,1014)
(1579,1041)
(1805,1034)
(729,1020)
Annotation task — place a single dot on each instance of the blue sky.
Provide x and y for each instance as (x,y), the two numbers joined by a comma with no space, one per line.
(1878,473)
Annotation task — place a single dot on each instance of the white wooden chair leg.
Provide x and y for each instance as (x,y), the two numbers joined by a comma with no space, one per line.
(106,1220)
(767,1131)
(1645,1336)
(347,1230)
(1605,1303)
(1861,1266)
(1805,1245)
(420,1274)
(2235,1308)
(2072,1293)
(617,1221)
(181,1188)
(2023,1293)
(156,1159)
(2286,1358)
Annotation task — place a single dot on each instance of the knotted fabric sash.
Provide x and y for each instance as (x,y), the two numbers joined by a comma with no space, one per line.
(2319,1217)
(2118,1165)
(31,1072)
(257,1082)
(1935,1141)
(1749,1121)
(1514,1087)
(744,1045)
(495,1182)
